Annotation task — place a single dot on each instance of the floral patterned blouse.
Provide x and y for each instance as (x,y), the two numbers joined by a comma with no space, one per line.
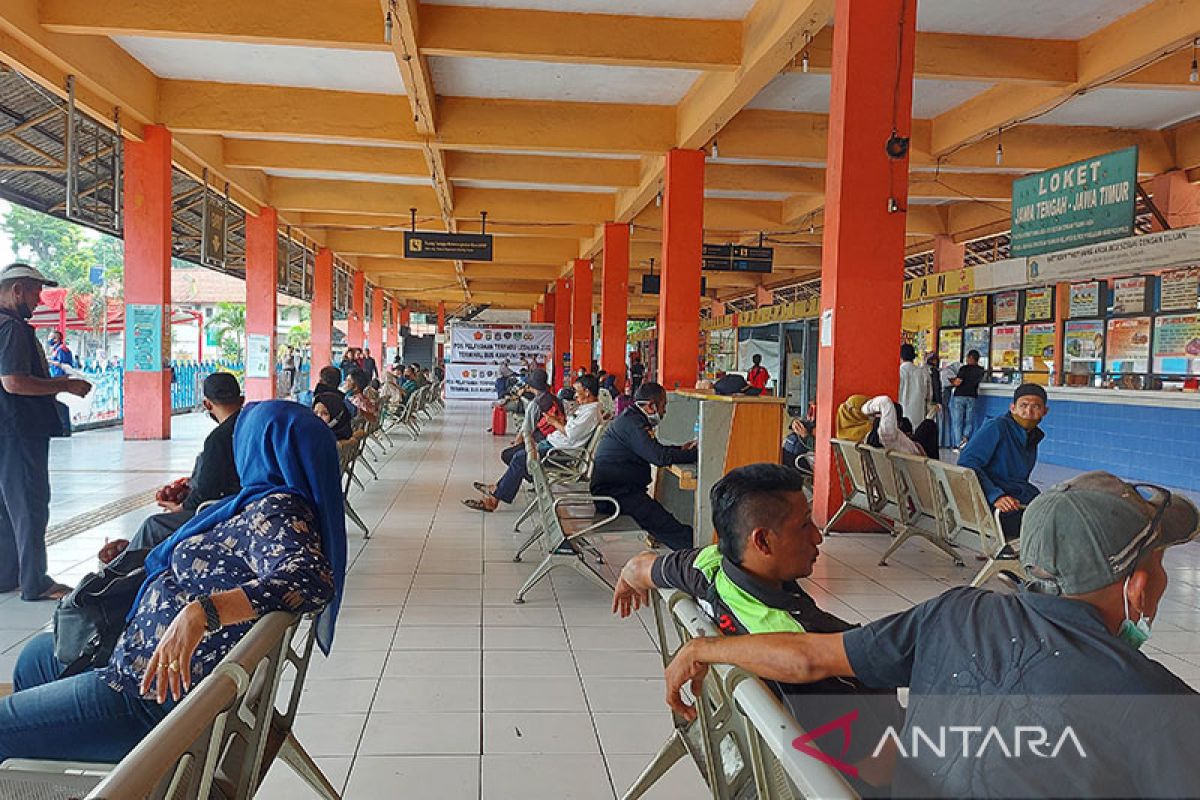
(271,551)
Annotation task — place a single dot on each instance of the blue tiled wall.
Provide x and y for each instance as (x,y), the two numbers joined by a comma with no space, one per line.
(1156,445)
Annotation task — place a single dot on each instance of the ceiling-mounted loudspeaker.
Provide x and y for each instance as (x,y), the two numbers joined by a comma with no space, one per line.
(897,146)
(652,284)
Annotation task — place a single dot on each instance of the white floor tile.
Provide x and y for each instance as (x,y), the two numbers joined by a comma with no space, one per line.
(428,694)
(531,732)
(501,693)
(421,733)
(432,777)
(545,777)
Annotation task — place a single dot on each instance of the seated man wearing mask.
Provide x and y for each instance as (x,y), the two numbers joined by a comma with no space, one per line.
(213,477)
(574,433)
(621,466)
(1003,453)
(749,583)
(1061,655)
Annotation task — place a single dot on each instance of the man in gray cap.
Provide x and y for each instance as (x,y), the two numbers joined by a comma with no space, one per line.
(1093,547)
(29,417)
(214,476)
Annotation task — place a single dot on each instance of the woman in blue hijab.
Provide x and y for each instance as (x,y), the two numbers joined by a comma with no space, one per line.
(278,545)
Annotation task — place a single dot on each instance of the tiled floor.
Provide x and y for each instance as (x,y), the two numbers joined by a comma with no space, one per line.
(439,687)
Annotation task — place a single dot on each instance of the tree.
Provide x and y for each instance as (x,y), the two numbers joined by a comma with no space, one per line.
(64,251)
(229,323)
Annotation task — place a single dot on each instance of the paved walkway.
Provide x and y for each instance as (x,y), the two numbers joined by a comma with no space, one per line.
(439,687)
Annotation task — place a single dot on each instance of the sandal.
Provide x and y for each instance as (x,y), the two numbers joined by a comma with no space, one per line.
(478,505)
(482,487)
(56,592)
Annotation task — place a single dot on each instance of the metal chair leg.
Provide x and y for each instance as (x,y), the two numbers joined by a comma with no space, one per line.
(669,754)
(294,755)
(550,562)
(526,514)
(537,534)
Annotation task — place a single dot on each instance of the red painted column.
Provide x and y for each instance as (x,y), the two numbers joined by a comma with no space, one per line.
(147,412)
(358,310)
(947,255)
(262,244)
(683,240)
(405,316)
(393,337)
(581,315)
(375,334)
(441,331)
(321,334)
(1177,198)
(562,331)
(538,314)
(863,247)
(614,300)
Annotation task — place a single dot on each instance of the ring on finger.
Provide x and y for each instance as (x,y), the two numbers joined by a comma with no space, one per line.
(173,666)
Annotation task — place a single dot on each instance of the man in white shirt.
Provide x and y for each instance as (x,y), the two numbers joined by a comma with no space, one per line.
(888,429)
(916,389)
(573,433)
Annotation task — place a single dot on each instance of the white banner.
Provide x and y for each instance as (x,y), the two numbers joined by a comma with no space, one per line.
(494,344)
(471,381)
(1129,256)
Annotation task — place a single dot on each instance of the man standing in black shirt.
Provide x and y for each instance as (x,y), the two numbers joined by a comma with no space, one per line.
(621,466)
(369,366)
(214,476)
(966,390)
(29,416)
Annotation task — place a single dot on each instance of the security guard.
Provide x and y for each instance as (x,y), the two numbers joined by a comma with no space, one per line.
(29,416)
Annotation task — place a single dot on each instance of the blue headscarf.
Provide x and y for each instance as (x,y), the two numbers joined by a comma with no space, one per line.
(278,446)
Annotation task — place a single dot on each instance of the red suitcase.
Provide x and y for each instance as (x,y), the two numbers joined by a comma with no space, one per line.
(499,421)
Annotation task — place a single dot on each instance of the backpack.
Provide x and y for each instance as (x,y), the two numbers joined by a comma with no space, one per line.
(89,620)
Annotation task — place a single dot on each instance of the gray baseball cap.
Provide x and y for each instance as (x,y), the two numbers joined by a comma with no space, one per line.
(1091,531)
(19,270)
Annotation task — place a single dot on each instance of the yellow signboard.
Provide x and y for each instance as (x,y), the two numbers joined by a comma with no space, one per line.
(721,323)
(646,335)
(940,284)
(783,312)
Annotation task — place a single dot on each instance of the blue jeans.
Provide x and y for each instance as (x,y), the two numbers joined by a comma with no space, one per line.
(80,718)
(510,482)
(962,411)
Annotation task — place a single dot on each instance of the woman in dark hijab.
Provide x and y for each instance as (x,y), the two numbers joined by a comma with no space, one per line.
(331,407)
(277,545)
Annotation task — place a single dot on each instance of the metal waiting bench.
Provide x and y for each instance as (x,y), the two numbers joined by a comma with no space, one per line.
(741,739)
(564,524)
(923,497)
(219,742)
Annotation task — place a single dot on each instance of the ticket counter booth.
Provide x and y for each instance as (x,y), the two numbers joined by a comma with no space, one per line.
(730,432)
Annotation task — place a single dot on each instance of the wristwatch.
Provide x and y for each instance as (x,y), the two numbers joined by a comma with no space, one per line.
(212,619)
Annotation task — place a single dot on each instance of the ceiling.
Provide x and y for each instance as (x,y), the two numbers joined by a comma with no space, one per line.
(553,115)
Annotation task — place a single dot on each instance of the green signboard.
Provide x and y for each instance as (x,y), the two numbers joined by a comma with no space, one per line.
(1078,204)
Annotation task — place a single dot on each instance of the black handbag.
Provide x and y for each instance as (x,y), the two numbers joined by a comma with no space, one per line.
(89,620)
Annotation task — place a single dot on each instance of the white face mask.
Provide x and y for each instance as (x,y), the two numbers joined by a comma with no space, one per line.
(652,416)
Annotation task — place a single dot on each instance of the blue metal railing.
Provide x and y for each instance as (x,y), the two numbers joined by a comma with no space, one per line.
(105,403)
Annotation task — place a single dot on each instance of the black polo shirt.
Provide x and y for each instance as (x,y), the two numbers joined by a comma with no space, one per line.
(20,354)
(976,657)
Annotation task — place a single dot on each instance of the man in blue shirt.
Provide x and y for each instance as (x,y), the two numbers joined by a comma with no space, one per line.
(1062,655)
(1003,453)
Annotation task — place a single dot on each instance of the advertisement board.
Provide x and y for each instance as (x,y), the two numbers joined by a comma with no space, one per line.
(1128,348)
(1084,300)
(1177,344)
(1129,295)
(471,381)
(1084,346)
(1039,304)
(1006,347)
(1037,350)
(950,342)
(977,310)
(978,339)
(1179,290)
(494,344)
(1006,306)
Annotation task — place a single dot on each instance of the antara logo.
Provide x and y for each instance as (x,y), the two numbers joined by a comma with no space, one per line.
(843,724)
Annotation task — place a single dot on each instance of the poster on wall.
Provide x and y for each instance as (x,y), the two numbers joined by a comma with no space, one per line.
(1085,300)
(1039,304)
(1006,306)
(143,338)
(471,381)
(952,314)
(1084,346)
(258,355)
(1128,345)
(1129,296)
(1037,350)
(978,339)
(977,310)
(1006,347)
(1177,344)
(950,344)
(494,344)
(1179,290)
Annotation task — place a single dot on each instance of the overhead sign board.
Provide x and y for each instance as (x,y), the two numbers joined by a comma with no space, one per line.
(1075,205)
(448,246)
(737,258)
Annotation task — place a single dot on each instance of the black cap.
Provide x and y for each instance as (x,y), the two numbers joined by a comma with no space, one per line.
(1029,390)
(222,387)
(538,379)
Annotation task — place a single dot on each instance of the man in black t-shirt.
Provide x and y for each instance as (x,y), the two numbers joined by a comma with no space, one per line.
(214,477)
(29,416)
(966,390)
(992,668)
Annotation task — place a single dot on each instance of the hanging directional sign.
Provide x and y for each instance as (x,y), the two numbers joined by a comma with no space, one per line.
(448,246)
(737,258)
